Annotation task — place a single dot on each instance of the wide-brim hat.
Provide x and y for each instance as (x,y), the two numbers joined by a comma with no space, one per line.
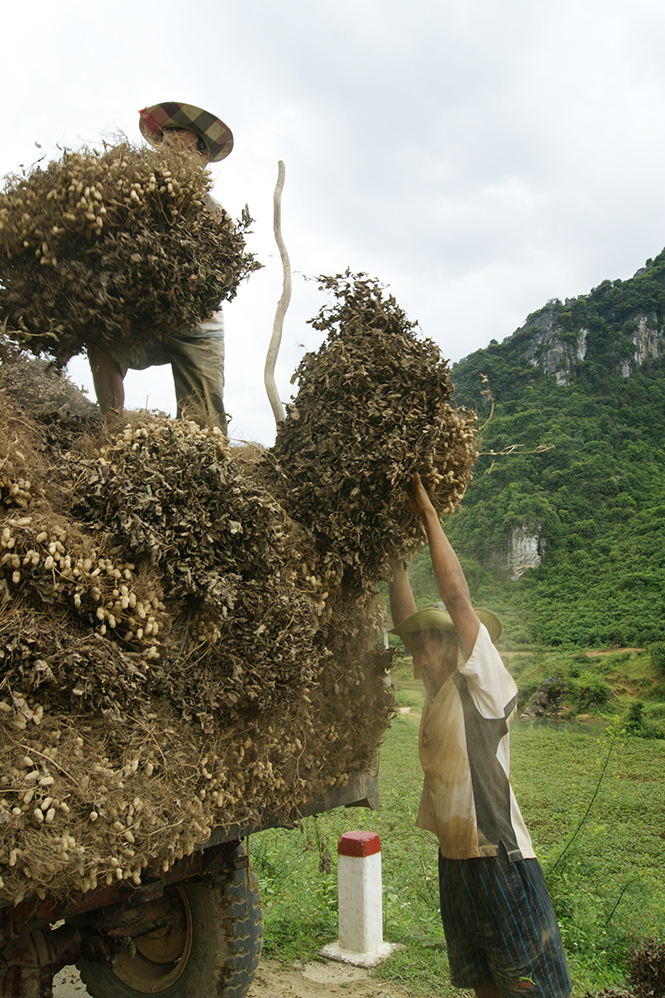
(437,618)
(153,121)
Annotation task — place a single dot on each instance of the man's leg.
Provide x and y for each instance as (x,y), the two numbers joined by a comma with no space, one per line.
(197,361)
(107,379)
(520,932)
(469,966)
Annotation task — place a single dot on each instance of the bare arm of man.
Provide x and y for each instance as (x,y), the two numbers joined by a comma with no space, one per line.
(107,379)
(448,573)
(402,603)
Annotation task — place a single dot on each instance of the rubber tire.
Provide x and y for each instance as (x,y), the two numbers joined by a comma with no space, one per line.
(227,937)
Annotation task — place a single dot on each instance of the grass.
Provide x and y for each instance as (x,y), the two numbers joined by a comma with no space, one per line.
(604,869)
(606,880)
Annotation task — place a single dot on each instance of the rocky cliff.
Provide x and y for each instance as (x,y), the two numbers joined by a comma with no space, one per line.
(559,354)
(615,329)
(525,548)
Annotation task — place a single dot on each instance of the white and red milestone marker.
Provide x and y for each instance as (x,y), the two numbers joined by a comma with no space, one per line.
(360,902)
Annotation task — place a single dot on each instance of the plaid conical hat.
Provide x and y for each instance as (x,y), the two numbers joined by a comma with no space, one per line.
(216,135)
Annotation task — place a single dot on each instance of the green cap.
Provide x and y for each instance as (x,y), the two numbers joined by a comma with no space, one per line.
(437,618)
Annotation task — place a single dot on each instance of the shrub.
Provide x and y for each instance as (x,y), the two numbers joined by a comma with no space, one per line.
(635,718)
(657,650)
(591,691)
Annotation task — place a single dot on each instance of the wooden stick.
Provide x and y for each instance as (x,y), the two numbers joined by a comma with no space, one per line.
(282,305)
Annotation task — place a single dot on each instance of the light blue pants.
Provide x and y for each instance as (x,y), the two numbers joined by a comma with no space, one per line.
(196,357)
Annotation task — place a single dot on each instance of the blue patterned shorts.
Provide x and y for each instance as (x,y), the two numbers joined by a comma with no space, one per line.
(500,927)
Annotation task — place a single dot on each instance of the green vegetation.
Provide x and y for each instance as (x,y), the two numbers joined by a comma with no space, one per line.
(607,317)
(624,684)
(592,798)
(594,496)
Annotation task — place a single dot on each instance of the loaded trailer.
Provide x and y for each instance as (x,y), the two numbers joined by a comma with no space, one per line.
(195,931)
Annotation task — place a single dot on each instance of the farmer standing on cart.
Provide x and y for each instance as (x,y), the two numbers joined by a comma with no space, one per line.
(501,932)
(196,355)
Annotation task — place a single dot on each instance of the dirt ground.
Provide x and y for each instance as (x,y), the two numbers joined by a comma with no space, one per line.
(274,980)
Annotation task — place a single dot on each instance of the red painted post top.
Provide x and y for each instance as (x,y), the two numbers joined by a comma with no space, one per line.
(358,844)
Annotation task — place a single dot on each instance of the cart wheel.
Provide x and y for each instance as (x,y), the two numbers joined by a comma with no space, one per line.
(210,949)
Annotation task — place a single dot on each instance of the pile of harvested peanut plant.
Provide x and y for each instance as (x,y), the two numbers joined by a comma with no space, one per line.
(373,408)
(190,630)
(125,244)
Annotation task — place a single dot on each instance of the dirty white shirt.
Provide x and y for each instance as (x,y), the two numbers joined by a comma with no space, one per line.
(467,800)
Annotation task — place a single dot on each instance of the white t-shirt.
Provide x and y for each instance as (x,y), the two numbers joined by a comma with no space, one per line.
(467,800)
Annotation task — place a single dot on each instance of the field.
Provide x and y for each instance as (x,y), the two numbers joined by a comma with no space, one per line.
(591,794)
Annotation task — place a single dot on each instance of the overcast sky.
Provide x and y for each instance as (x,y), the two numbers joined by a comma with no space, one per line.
(479,156)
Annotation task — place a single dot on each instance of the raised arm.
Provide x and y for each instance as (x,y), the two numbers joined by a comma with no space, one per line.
(402,603)
(448,572)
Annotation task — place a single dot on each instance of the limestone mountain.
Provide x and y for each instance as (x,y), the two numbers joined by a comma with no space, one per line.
(563,527)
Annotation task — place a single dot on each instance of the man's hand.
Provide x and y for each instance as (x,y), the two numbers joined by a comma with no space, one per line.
(419,502)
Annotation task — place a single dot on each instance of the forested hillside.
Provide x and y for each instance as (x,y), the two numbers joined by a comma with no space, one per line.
(572,469)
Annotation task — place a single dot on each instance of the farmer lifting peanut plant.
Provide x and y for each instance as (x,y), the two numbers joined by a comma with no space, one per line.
(196,354)
(501,931)
(124,254)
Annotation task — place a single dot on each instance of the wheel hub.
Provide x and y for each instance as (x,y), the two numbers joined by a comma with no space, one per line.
(159,956)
